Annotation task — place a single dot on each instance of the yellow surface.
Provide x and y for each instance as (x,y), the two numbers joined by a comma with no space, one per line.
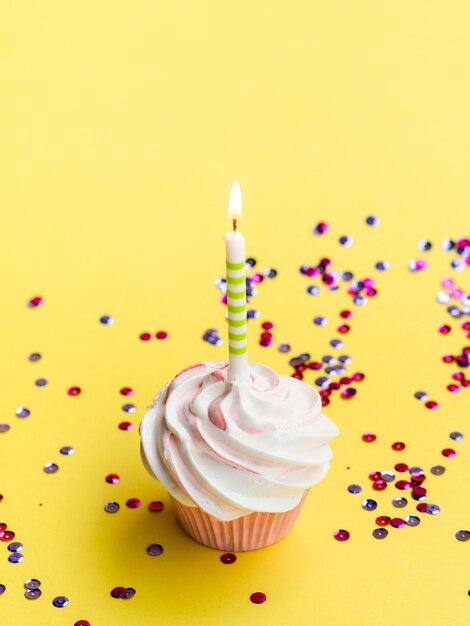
(123,125)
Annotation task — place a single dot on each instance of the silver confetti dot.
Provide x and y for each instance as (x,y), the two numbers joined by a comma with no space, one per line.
(437,470)
(380,533)
(421,395)
(16,557)
(345,359)
(443,297)
(320,321)
(322,381)
(111,507)
(60,601)
(336,343)
(387,475)
(32,583)
(354,488)
(4,427)
(399,502)
(32,594)
(369,505)
(462,535)
(67,450)
(456,436)
(15,546)
(130,593)
(433,509)
(416,470)
(129,408)
(412,520)
(50,468)
(34,356)
(328,359)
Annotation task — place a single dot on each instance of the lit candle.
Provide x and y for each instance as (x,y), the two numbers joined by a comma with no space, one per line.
(236,292)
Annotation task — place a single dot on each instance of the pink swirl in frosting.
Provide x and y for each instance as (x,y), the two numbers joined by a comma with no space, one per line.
(232,447)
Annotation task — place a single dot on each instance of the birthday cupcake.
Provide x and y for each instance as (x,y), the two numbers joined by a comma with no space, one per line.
(237,457)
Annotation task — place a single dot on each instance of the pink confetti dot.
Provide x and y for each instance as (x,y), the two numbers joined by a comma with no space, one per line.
(267,325)
(444,329)
(449,452)
(453,388)
(156,506)
(126,426)
(74,391)
(36,301)
(112,479)
(161,334)
(133,503)
(126,391)
(145,336)
(431,404)
(369,437)
(341,535)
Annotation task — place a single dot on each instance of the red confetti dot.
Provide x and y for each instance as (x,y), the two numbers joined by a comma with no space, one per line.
(421,507)
(397,522)
(112,479)
(341,535)
(345,380)
(419,492)
(126,391)
(229,557)
(383,520)
(74,391)
(161,334)
(314,365)
(368,437)
(126,426)
(258,597)
(375,475)
(156,506)
(133,503)
(82,622)
(7,535)
(398,445)
(379,485)
(36,301)
(2,526)
(403,484)
(358,376)
(346,314)
(325,401)
(145,336)
(447,358)
(453,388)
(118,592)
(444,329)
(343,328)
(448,452)
(348,393)
(267,325)
(431,404)
(401,467)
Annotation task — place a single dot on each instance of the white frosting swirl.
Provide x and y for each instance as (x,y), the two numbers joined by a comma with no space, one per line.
(232,448)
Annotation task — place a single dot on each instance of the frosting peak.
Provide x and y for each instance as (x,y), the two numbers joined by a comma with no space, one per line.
(235,447)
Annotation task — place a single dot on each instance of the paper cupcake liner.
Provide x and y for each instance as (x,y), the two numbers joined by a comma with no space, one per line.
(250,532)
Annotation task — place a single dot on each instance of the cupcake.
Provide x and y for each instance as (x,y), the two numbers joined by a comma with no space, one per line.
(237,458)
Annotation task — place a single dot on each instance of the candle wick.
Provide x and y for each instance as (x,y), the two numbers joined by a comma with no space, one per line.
(234,222)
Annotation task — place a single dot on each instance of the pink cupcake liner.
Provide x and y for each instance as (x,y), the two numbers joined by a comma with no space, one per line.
(250,532)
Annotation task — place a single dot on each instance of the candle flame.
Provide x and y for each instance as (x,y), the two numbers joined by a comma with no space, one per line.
(235,202)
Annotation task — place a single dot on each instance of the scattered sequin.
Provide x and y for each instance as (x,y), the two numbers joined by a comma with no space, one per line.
(369,505)
(397,522)
(33,594)
(16,557)
(129,408)
(126,426)
(354,489)
(433,509)
(456,436)
(401,467)
(424,245)
(60,602)
(67,450)
(320,228)
(6,535)
(431,404)
(383,520)
(161,334)
(399,502)
(118,592)
(380,533)
(284,347)
(421,395)
(388,476)
(133,503)
(228,557)
(156,506)
(32,583)
(21,411)
(369,437)
(372,220)
(438,470)
(112,479)
(346,240)
(82,622)
(412,520)
(155,549)
(2,589)
(462,535)
(4,427)
(398,445)
(449,452)
(15,546)
(50,468)
(36,301)
(34,356)
(320,321)
(74,391)
(259,597)
(130,593)
(40,382)
(145,336)
(111,507)
(341,535)
(107,320)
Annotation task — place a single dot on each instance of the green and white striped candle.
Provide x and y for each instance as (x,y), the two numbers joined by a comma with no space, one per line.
(236,292)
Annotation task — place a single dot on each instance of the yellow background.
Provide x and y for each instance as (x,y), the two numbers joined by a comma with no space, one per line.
(123,125)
